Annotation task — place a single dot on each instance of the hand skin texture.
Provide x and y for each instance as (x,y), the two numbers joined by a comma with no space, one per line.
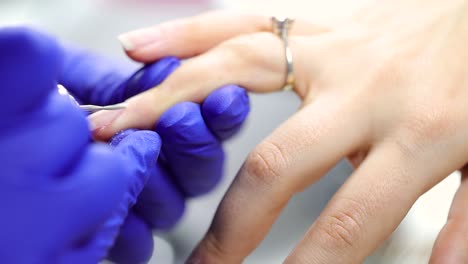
(386,89)
(82,224)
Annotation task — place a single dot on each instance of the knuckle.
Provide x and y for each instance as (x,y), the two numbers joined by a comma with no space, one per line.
(246,48)
(342,228)
(212,249)
(389,71)
(264,163)
(426,127)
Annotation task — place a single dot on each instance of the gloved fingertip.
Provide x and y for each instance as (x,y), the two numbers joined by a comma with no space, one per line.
(140,151)
(144,143)
(225,110)
(222,98)
(182,114)
(163,214)
(134,244)
(150,75)
(117,138)
(190,142)
(196,189)
(161,203)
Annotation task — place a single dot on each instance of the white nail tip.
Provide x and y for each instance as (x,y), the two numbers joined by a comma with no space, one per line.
(126,42)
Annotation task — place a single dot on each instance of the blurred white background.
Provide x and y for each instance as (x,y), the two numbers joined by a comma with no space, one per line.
(95,25)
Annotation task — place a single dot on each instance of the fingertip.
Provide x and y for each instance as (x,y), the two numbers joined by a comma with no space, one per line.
(126,41)
(138,114)
(117,138)
(180,115)
(222,98)
(225,110)
(145,55)
(160,204)
(144,45)
(164,215)
(150,76)
(100,123)
(135,242)
(139,151)
(144,143)
(139,38)
(188,141)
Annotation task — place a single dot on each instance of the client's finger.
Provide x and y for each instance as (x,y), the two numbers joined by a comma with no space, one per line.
(452,244)
(256,62)
(370,205)
(191,36)
(323,132)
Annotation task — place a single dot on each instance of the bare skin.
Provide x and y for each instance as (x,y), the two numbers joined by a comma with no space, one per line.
(388,89)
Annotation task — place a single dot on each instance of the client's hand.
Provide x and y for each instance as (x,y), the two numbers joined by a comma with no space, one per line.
(387,89)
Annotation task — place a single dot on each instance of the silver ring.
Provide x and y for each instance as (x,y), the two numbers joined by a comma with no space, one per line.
(281,27)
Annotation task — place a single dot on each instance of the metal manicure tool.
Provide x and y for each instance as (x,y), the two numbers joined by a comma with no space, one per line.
(89,108)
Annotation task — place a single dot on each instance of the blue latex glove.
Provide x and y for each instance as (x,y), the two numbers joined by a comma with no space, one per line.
(63,198)
(69,197)
(192,155)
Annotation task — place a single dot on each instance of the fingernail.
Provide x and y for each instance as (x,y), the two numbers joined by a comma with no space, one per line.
(102,119)
(139,38)
(126,42)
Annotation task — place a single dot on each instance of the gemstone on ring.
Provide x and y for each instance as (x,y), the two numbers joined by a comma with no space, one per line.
(281,27)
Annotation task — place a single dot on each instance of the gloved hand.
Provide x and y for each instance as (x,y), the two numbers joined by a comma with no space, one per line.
(192,155)
(66,201)
(63,198)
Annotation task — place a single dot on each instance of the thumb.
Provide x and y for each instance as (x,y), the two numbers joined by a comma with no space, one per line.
(35,119)
(140,149)
(137,150)
(28,69)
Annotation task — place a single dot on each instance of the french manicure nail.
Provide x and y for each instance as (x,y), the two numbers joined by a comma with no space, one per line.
(140,38)
(102,119)
(126,41)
